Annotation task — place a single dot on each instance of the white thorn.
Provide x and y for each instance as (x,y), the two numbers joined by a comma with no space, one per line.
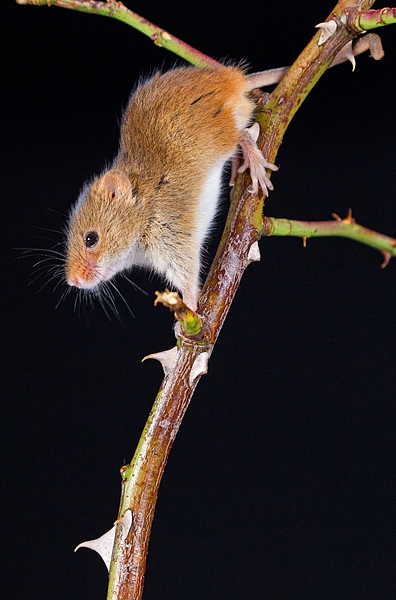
(254,253)
(350,55)
(166,358)
(105,543)
(177,330)
(328,28)
(200,366)
(126,523)
(102,545)
(254,131)
(346,53)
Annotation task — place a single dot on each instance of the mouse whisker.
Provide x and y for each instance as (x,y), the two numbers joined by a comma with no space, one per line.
(57,212)
(134,285)
(60,282)
(122,297)
(38,272)
(53,276)
(50,259)
(65,292)
(111,297)
(46,271)
(77,300)
(58,231)
(108,295)
(46,239)
(102,299)
(27,252)
(89,299)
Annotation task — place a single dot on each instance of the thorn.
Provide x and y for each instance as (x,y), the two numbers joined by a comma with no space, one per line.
(166,358)
(348,219)
(124,467)
(103,545)
(328,29)
(177,330)
(254,253)
(387,256)
(200,366)
(304,240)
(346,53)
(126,522)
(350,55)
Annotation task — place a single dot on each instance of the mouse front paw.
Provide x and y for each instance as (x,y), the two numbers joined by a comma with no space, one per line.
(254,160)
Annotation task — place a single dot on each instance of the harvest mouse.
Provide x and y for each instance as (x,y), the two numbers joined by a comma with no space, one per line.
(155,205)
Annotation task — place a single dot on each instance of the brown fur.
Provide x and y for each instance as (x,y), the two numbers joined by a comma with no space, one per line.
(176,128)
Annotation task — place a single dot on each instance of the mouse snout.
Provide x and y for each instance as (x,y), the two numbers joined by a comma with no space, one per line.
(83,275)
(75,281)
(86,273)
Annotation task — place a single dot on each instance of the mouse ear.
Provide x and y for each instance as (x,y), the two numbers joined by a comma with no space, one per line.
(116,185)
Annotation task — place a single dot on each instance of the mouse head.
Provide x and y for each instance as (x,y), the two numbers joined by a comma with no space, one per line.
(101,231)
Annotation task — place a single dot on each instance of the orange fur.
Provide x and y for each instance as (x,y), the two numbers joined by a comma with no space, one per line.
(177,132)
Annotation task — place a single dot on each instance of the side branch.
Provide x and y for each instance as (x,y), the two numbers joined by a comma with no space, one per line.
(188,319)
(346,228)
(118,11)
(364,20)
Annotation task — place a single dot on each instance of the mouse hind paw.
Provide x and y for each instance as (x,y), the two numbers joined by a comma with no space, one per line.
(254,160)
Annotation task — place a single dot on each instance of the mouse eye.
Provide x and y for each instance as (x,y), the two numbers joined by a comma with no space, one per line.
(91,239)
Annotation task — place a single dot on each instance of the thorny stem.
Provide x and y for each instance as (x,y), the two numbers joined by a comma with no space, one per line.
(118,11)
(243,228)
(364,20)
(346,228)
(301,78)
(141,479)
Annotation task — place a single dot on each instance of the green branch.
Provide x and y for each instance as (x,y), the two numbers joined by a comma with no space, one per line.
(118,11)
(346,228)
(365,20)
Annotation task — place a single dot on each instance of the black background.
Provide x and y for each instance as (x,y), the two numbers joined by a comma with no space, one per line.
(279,482)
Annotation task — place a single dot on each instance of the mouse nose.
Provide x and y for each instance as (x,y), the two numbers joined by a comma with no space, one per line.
(75,281)
(81,274)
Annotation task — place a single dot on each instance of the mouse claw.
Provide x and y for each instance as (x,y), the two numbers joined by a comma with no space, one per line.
(254,160)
